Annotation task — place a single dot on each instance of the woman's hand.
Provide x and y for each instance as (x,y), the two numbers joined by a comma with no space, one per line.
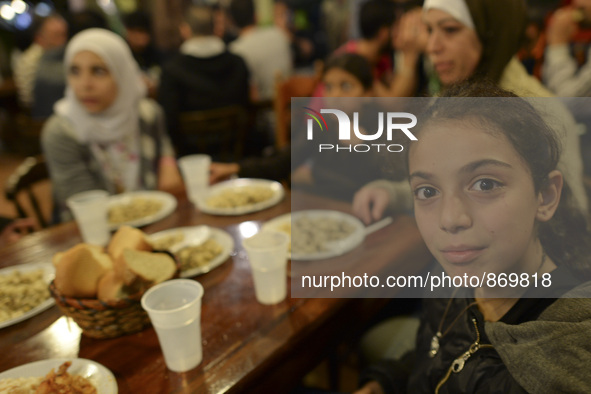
(372,387)
(222,171)
(370,202)
(410,35)
(562,27)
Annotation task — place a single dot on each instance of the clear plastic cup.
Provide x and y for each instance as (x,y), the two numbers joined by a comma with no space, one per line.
(174,308)
(90,212)
(195,171)
(267,253)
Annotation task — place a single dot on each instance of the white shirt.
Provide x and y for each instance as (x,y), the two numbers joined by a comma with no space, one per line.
(266,51)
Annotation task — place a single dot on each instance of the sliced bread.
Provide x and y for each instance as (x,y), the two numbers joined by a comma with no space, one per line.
(127,237)
(144,269)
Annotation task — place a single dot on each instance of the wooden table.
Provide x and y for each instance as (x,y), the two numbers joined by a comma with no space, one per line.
(247,347)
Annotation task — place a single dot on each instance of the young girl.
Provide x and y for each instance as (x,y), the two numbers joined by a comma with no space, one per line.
(488,199)
(104,133)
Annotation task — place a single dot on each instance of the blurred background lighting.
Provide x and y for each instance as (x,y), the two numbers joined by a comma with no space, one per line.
(23,21)
(19,6)
(6,12)
(42,9)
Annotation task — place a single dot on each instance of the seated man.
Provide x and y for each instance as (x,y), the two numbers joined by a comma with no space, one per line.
(48,33)
(204,75)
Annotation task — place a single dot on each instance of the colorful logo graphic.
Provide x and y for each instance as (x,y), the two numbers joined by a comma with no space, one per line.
(316,118)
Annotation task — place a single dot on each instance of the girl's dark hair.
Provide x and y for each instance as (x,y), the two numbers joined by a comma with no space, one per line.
(354,64)
(565,238)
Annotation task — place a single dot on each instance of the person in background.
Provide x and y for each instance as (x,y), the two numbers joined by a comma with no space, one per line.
(48,33)
(566,73)
(488,197)
(566,68)
(476,40)
(204,75)
(336,174)
(301,23)
(13,230)
(265,50)
(376,19)
(138,34)
(104,133)
(388,34)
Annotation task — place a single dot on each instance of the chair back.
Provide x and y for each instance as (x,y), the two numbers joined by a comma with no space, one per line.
(285,89)
(32,171)
(219,132)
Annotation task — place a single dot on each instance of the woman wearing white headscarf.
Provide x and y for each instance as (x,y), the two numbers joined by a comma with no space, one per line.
(471,40)
(104,133)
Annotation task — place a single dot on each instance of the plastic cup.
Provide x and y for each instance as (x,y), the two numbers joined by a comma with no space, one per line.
(195,171)
(267,253)
(174,308)
(90,212)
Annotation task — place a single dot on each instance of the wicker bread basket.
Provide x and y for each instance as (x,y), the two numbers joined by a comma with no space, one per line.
(100,319)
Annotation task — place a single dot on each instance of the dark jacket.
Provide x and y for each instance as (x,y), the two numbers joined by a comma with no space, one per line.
(499,366)
(189,83)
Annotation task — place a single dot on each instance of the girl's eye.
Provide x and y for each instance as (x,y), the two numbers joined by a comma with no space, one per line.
(346,86)
(451,29)
(425,192)
(100,71)
(485,185)
(73,70)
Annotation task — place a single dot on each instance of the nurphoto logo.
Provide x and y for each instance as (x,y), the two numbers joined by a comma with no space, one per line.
(391,120)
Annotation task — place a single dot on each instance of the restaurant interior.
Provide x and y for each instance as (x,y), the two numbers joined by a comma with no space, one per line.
(216,196)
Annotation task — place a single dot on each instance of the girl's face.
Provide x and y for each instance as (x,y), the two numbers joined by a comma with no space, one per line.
(92,82)
(453,48)
(340,83)
(474,199)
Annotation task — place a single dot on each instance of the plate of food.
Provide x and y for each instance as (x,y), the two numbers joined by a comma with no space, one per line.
(24,292)
(240,196)
(319,234)
(77,375)
(199,249)
(139,208)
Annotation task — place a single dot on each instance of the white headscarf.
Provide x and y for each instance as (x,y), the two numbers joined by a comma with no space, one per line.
(122,117)
(456,8)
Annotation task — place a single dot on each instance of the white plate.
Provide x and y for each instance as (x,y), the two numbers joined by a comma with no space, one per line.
(168,206)
(333,248)
(192,236)
(48,275)
(97,374)
(275,187)
(220,236)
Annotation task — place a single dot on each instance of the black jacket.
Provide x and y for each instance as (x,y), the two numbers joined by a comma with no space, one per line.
(484,371)
(190,83)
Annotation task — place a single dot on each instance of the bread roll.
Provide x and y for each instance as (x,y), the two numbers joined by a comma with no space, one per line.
(58,256)
(79,269)
(126,238)
(145,269)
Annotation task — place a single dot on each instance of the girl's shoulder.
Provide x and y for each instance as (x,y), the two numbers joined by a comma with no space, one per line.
(58,126)
(573,306)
